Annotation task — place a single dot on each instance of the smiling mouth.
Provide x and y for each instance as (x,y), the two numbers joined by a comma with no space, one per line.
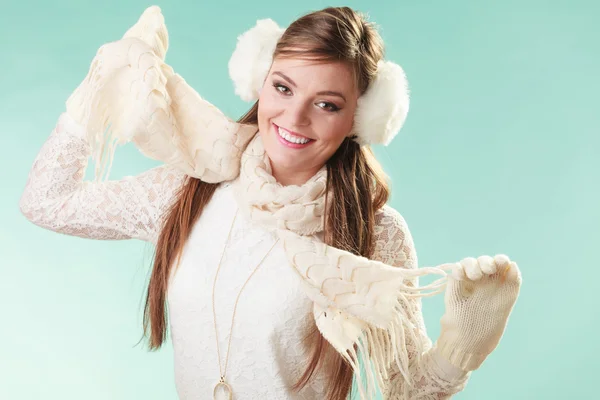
(291,138)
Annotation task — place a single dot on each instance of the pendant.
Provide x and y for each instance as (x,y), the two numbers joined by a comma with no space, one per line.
(224,386)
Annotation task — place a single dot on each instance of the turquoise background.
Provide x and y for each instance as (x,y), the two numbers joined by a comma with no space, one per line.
(498,155)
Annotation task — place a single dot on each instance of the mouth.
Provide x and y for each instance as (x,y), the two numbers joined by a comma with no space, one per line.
(292,139)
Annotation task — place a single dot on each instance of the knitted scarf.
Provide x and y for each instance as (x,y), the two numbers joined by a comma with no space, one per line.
(361,306)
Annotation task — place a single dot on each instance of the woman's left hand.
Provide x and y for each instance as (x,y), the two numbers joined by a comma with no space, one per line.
(479,298)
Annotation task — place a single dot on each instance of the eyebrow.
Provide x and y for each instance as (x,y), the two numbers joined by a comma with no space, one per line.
(324,92)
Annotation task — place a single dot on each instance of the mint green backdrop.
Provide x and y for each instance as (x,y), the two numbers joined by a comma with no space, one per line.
(498,155)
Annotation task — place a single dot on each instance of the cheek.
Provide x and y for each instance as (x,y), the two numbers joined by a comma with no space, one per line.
(336,130)
(266,108)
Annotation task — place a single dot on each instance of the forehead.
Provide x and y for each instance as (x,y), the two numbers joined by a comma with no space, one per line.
(329,75)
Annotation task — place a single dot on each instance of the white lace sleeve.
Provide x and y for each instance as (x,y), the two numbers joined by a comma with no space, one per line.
(57,198)
(432,377)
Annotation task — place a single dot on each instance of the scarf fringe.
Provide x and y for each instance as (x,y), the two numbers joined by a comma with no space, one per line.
(400,344)
(129,94)
(384,316)
(123,82)
(378,348)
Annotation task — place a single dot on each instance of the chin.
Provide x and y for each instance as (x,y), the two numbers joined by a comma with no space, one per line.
(282,161)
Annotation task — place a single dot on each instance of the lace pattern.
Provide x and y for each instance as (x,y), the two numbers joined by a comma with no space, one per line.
(57,198)
(395,246)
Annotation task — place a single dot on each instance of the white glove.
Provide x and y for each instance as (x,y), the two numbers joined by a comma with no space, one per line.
(479,298)
(125,85)
(148,34)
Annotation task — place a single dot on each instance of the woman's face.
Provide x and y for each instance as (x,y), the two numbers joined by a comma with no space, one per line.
(305,110)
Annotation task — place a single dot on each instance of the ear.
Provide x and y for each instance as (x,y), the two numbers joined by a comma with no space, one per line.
(382,109)
(251,61)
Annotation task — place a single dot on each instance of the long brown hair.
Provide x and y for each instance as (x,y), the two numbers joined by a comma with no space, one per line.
(355,180)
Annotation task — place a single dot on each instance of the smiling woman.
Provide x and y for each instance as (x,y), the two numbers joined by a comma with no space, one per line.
(286,206)
(304,115)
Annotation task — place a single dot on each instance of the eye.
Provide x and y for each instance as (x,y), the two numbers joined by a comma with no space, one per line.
(325,105)
(281,88)
(328,106)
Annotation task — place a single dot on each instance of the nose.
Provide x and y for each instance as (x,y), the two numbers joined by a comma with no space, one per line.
(298,113)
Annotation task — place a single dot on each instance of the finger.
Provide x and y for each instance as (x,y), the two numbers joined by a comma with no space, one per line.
(458,272)
(512,274)
(502,266)
(501,261)
(472,269)
(487,265)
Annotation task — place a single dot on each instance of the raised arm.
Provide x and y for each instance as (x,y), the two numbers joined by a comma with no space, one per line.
(432,375)
(57,198)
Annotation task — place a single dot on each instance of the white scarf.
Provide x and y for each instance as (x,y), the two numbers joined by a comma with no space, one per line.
(299,209)
(130,94)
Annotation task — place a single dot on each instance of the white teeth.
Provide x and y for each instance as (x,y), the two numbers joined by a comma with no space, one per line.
(290,138)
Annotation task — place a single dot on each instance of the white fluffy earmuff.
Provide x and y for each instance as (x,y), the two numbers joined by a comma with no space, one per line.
(252,58)
(381,110)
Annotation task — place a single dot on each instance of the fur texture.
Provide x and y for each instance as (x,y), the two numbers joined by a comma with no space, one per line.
(381,110)
(252,58)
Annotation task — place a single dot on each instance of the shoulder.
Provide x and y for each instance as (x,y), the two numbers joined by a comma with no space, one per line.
(390,225)
(393,240)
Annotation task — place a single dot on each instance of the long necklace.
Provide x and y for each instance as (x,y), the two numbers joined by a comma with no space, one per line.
(222,382)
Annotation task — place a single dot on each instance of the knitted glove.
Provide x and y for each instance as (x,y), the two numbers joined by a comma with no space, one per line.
(149,30)
(479,298)
(117,99)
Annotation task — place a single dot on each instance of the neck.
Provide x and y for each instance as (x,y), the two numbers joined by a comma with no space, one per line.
(288,177)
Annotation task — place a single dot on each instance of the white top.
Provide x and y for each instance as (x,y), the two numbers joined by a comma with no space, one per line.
(265,357)
(266,353)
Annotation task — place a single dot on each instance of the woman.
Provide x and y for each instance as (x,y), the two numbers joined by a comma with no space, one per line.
(284,211)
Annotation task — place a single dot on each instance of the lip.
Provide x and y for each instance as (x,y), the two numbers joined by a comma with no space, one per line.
(288,144)
(292,132)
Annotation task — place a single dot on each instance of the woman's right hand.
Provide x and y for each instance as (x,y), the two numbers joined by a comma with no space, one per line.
(148,35)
